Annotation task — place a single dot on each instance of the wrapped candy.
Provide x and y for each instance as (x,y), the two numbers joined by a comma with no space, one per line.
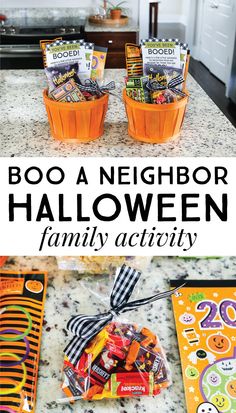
(166,93)
(121,361)
(109,357)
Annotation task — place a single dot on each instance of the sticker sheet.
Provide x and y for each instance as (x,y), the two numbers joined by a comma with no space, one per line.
(205,317)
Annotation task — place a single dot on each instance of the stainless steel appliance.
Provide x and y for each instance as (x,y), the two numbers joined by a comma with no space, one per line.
(19,39)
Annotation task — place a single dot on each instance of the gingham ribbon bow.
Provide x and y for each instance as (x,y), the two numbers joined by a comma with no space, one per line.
(153,85)
(92,86)
(85,327)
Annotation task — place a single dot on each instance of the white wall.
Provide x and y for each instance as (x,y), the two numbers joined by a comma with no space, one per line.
(171,7)
(172,11)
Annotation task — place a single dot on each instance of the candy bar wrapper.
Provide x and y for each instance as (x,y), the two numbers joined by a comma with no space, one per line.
(98,63)
(21,314)
(58,75)
(123,360)
(134,61)
(160,53)
(164,96)
(43,45)
(68,92)
(136,89)
(205,317)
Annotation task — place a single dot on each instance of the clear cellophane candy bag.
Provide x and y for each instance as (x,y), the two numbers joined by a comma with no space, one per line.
(123,358)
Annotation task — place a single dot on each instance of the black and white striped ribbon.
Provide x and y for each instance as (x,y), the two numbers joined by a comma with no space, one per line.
(85,327)
(153,85)
(92,86)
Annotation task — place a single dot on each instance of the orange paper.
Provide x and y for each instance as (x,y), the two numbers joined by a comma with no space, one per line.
(22,297)
(205,317)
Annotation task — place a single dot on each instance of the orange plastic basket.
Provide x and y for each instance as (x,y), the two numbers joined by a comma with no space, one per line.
(154,123)
(76,122)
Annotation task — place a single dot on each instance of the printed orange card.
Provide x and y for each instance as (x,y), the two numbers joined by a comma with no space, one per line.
(205,317)
(22,297)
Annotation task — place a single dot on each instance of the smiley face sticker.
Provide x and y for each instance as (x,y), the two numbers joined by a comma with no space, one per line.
(192,373)
(214,379)
(187,319)
(227,367)
(218,343)
(221,401)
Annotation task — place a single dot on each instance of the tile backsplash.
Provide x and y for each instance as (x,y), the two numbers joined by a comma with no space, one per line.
(46,12)
(81,10)
(44,3)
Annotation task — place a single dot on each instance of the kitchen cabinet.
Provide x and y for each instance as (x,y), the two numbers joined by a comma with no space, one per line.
(115,42)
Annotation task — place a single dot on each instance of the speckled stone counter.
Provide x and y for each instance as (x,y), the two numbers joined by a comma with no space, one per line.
(65,297)
(131,26)
(25,130)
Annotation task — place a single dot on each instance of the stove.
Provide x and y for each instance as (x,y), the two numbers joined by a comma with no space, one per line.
(19,39)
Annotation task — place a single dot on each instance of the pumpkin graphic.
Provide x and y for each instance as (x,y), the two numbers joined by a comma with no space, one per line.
(218,343)
(231,387)
(34,286)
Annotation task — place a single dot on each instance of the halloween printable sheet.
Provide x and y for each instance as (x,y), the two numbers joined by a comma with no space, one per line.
(205,317)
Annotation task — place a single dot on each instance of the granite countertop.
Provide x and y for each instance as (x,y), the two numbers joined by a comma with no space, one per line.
(64,288)
(25,130)
(131,26)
